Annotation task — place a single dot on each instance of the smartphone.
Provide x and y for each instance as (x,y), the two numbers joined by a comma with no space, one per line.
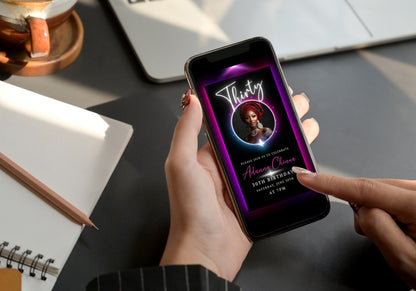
(256,135)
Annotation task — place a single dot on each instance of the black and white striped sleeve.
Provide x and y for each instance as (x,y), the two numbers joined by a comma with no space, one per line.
(163,278)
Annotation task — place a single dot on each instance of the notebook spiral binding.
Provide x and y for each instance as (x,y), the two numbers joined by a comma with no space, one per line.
(36,263)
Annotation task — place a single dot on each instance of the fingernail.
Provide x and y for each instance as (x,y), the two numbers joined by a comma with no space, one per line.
(299,170)
(185,98)
(306,96)
(355,207)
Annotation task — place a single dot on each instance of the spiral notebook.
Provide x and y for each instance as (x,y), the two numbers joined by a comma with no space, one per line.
(71,150)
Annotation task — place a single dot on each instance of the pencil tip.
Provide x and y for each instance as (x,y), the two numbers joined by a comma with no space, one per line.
(95,227)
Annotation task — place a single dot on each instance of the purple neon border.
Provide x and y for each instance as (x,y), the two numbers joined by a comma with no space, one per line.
(236,71)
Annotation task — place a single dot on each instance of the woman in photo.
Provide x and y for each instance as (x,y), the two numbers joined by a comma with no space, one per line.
(251,113)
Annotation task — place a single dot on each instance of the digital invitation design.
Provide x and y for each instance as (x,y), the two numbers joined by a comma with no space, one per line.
(257,135)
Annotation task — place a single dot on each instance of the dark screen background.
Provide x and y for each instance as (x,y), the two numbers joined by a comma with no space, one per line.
(263,171)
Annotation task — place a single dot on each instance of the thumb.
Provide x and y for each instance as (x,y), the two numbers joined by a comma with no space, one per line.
(185,138)
(396,247)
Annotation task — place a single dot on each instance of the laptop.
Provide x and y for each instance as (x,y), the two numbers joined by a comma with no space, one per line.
(165,33)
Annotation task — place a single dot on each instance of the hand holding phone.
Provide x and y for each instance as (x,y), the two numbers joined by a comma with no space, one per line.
(257,137)
(201,214)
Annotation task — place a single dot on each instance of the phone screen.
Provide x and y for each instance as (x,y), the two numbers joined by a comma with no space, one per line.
(257,136)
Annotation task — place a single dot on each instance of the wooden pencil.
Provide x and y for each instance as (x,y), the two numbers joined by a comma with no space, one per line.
(43,191)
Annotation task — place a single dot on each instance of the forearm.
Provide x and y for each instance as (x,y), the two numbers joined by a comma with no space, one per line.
(181,250)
